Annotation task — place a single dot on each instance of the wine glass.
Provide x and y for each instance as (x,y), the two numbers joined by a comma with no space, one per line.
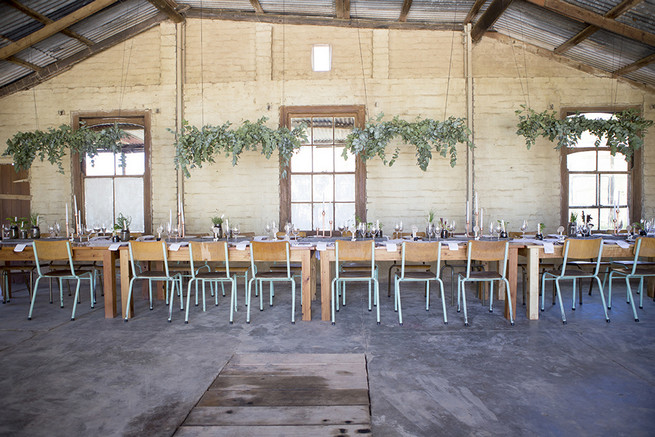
(491,228)
(160,229)
(524,227)
(235,231)
(437,229)
(57,229)
(499,229)
(451,227)
(296,232)
(268,228)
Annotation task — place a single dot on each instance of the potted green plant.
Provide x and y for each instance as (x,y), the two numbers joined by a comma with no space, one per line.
(573,225)
(540,234)
(35,231)
(14,232)
(122,226)
(217,223)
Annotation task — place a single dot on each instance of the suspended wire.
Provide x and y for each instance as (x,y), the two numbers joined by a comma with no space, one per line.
(125,68)
(361,61)
(36,114)
(202,67)
(450,67)
(524,90)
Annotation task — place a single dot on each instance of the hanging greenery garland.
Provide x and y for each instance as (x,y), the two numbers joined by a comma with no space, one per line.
(52,145)
(424,134)
(195,146)
(623,132)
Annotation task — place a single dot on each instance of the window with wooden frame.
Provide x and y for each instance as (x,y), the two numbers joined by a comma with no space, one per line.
(319,179)
(596,182)
(107,188)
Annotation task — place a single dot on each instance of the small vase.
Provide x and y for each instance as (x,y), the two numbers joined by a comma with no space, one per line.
(125,235)
(35,232)
(572,229)
(503,234)
(24,234)
(444,233)
(539,237)
(643,232)
(13,232)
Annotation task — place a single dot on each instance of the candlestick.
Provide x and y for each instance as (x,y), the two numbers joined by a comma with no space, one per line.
(475,202)
(468,212)
(481,225)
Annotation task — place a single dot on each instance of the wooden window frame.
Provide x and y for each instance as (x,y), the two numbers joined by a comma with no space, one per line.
(140,118)
(356,111)
(634,168)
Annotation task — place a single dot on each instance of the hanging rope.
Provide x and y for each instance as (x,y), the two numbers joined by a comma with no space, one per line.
(361,62)
(450,68)
(125,68)
(202,67)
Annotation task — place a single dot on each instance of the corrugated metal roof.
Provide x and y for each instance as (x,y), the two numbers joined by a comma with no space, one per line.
(231,5)
(110,21)
(301,7)
(10,72)
(376,9)
(448,11)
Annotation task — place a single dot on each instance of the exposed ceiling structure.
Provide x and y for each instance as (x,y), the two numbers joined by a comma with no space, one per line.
(42,38)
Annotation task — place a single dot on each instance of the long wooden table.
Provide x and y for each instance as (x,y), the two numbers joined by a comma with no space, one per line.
(534,255)
(80,253)
(300,254)
(381,254)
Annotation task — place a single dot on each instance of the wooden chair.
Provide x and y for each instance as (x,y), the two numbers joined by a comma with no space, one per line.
(59,251)
(206,252)
(419,252)
(262,251)
(485,251)
(153,251)
(576,249)
(360,252)
(635,269)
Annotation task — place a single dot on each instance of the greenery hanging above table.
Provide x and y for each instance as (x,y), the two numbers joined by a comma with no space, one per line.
(624,131)
(52,145)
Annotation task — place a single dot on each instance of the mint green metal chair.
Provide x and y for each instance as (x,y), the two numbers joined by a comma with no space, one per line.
(635,269)
(355,251)
(427,253)
(485,251)
(59,251)
(576,249)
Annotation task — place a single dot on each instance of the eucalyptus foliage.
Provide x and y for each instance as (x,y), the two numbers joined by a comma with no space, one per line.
(623,132)
(424,134)
(52,145)
(196,146)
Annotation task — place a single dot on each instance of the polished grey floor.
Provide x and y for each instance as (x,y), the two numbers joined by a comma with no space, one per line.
(98,377)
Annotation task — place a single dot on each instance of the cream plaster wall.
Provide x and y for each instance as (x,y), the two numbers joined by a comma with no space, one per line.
(237,71)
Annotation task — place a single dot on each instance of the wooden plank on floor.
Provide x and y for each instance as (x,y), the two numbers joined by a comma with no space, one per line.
(287,382)
(274,431)
(258,398)
(296,359)
(256,416)
(351,374)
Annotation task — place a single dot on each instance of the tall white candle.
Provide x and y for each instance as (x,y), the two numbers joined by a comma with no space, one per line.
(75,201)
(468,212)
(475,202)
(481,220)
(67,216)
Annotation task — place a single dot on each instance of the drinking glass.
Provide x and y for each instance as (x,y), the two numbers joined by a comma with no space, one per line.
(235,231)
(296,232)
(160,229)
(451,227)
(499,229)
(524,227)
(437,230)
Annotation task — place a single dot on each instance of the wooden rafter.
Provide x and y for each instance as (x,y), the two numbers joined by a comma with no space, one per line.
(50,29)
(586,16)
(342,9)
(407,4)
(585,33)
(45,20)
(474,11)
(18,61)
(170,8)
(221,14)
(493,12)
(59,67)
(257,6)
(635,65)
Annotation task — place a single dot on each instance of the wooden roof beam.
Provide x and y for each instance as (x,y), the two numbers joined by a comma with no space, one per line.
(18,61)
(257,6)
(45,20)
(407,4)
(342,9)
(586,16)
(170,8)
(50,29)
(585,33)
(493,12)
(635,65)
(474,11)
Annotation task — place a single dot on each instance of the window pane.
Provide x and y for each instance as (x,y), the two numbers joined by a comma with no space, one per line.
(344,187)
(301,161)
(98,195)
(581,161)
(102,165)
(135,164)
(607,162)
(323,131)
(323,159)
(301,188)
(344,212)
(319,222)
(607,218)
(129,201)
(301,215)
(342,128)
(322,188)
(582,190)
(341,164)
(295,122)
(613,189)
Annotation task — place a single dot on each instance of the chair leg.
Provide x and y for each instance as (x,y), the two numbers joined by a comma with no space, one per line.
(398,302)
(150,293)
(641,293)
(427,295)
(369,295)
(609,293)
(293,301)
(36,287)
(259,285)
(631,298)
(491,296)
(332,295)
(559,297)
(77,296)
(61,293)
(463,290)
(377,298)
(602,298)
(129,299)
(443,303)
(248,303)
(271,292)
(509,302)
(188,299)
(170,304)
(574,289)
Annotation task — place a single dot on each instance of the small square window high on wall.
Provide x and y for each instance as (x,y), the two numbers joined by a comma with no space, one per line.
(321,57)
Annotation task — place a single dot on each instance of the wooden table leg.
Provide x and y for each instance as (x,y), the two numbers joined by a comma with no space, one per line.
(325,289)
(125,282)
(511,277)
(532,308)
(109,283)
(307,285)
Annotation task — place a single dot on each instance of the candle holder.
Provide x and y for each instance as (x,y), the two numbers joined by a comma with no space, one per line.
(468,224)
(323,226)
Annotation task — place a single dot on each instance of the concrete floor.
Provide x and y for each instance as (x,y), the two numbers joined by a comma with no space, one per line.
(98,377)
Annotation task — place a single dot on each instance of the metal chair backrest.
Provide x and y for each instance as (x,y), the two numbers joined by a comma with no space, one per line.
(52,251)
(578,249)
(208,251)
(148,251)
(269,251)
(487,251)
(420,252)
(355,251)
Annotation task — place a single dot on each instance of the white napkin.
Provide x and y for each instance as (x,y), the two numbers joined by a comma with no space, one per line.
(549,247)
(392,247)
(453,246)
(261,238)
(623,244)
(20,247)
(321,246)
(115,246)
(242,245)
(176,246)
